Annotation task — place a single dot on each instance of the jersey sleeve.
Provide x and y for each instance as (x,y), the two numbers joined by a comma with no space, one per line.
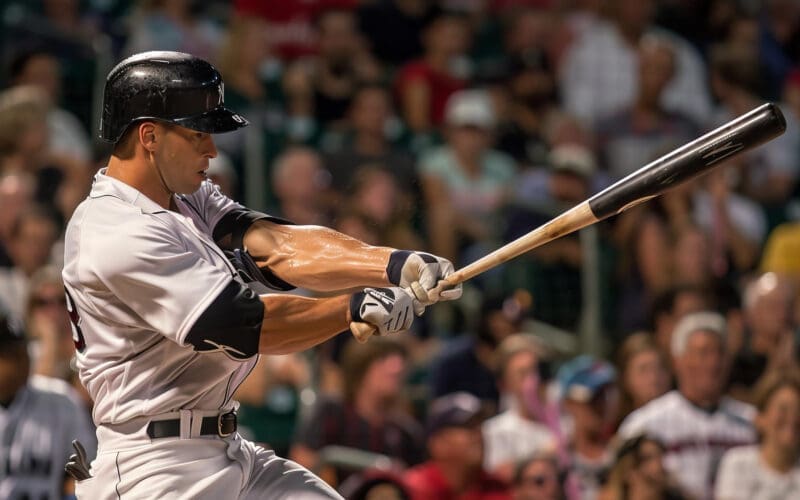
(159,283)
(211,204)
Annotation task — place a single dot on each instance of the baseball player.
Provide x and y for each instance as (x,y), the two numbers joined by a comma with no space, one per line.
(165,280)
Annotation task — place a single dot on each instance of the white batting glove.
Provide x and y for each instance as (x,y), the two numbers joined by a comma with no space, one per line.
(422,273)
(389,310)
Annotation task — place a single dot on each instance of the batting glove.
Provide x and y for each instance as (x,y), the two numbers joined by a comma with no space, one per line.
(389,310)
(422,274)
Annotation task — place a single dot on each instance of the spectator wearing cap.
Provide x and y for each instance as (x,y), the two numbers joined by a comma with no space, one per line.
(38,421)
(465,182)
(771,469)
(466,363)
(516,433)
(589,399)
(696,422)
(455,470)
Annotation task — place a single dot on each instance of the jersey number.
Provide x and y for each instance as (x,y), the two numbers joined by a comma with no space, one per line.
(75,321)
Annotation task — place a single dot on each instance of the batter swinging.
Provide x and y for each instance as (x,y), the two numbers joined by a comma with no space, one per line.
(165,280)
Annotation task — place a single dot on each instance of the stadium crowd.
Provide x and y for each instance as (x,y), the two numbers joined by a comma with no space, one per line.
(454,126)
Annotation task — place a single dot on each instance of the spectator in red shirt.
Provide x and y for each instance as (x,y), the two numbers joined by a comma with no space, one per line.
(424,85)
(454,470)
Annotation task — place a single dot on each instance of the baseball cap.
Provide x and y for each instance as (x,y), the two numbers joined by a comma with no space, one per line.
(470,108)
(573,158)
(703,321)
(582,378)
(10,332)
(459,409)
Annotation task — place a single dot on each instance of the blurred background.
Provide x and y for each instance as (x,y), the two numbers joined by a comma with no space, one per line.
(455,126)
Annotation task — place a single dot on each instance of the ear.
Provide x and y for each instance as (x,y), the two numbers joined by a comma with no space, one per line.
(147,135)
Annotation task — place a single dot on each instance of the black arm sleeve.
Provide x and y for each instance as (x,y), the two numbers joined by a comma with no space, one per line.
(229,236)
(231,324)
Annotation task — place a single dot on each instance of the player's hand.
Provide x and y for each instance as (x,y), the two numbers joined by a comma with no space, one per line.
(389,310)
(422,274)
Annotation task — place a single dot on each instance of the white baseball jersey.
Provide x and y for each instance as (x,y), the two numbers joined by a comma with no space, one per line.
(36,432)
(695,439)
(137,278)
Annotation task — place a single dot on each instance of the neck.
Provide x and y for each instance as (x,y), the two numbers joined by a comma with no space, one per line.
(778,458)
(438,61)
(704,401)
(589,444)
(368,143)
(143,179)
(471,164)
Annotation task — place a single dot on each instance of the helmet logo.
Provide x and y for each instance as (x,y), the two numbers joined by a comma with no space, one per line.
(237,118)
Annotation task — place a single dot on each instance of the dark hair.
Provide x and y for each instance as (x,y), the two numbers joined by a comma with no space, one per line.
(771,383)
(664,302)
(35,212)
(22,56)
(738,66)
(357,358)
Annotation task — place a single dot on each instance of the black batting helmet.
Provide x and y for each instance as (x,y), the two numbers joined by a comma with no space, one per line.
(167,86)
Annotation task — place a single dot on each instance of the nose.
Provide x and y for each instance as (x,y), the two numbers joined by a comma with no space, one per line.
(210,147)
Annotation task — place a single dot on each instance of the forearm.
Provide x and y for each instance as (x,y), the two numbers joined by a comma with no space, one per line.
(293,323)
(317,258)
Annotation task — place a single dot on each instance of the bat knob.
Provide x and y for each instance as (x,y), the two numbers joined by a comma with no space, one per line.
(362,331)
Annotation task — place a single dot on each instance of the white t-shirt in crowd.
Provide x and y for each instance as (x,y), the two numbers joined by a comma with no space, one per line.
(508,437)
(744,475)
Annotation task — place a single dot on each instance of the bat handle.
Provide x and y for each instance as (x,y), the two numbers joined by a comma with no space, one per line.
(362,331)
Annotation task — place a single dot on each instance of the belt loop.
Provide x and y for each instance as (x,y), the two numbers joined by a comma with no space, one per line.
(186,424)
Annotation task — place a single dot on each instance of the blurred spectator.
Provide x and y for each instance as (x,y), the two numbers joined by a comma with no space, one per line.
(780,252)
(668,308)
(343,62)
(455,446)
(30,245)
(531,94)
(375,199)
(641,132)
(221,172)
(172,25)
(643,373)
(16,195)
(37,424)
(270,400)
(61,180)
(368,141)
(374,485)
(600,77)
(769,341)
(394,28)
(638,472)
(48,325)
(770,469)
(254,87)
(696,423)
(465,182)
(291,22)
(769,174)
(369,417)
(466,363)
(424,85)
(692,259)
(538,478)
(300,181)
(40,68)
(791,92)
(516,433)
(645,266)
(779,40)
(589,398)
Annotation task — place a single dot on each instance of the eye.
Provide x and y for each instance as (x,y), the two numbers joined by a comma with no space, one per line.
(199,135)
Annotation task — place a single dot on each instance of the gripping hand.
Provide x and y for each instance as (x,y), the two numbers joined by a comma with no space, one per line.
(422,274)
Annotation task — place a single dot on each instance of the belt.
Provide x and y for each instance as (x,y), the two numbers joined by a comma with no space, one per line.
(222,425)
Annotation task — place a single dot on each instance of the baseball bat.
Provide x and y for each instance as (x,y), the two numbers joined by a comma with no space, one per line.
(683,164)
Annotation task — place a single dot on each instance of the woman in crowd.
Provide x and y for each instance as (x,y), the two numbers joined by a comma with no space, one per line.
(644,373)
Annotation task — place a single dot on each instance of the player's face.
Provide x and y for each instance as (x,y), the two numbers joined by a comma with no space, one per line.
(183,157)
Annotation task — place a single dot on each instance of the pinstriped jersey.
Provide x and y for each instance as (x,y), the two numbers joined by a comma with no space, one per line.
(36,432)
(137,278)
(695,439)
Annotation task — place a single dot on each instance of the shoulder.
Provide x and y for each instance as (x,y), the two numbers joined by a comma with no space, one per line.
(500,164)
(435,159)
(647,417)
(738,410)
(54,393)
(741,456)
